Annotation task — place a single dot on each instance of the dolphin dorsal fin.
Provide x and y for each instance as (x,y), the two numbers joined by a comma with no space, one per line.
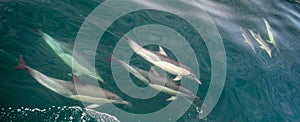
(162,51)
(76,80)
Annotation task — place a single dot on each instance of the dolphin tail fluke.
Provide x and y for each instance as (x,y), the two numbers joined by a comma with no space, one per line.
(22,64)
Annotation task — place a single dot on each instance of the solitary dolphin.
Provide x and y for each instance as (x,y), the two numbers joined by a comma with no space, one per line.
(75,89)
(157,81)
(262,43)
(161,60)
(68,59)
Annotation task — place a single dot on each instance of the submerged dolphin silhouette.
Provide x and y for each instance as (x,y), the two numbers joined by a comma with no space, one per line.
(157,81)
(68,59)
(76,89)
(161,60)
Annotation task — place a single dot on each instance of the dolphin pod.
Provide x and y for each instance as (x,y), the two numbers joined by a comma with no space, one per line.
(96,96)
(263,44)
(75,89)
(161,60)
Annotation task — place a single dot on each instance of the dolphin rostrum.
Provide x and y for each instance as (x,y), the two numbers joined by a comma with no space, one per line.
(158,82)
(68,59)
(161,60)
(75,89)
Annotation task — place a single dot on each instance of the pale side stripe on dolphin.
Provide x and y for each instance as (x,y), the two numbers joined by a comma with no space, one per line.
(162,61)
(157,83)
(75,89)
(68,59)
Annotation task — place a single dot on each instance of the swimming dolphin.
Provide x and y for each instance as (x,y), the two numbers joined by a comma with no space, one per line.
(270,34)
(75,89)
(262,43)
(157,81)
(161,60)
(247,39)
(68,59)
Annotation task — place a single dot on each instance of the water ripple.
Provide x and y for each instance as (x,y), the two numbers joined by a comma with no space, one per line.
(55,113)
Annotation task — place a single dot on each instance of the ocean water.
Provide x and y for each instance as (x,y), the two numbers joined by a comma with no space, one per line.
(257,87)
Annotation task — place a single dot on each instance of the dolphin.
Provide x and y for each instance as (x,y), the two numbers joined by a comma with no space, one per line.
(270,34)
(161,60)
(75,89)
(262,43)
(158,82)
(247,39)
(68,59)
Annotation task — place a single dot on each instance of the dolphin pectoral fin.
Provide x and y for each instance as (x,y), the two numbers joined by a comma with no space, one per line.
(177,78)
(172,98)
(93,106)
(162,51)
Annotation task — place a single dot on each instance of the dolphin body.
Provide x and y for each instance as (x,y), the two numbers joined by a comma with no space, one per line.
(247,39)
(270,34)
(68,59)
(161,60)
(158,82)
(75,89)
